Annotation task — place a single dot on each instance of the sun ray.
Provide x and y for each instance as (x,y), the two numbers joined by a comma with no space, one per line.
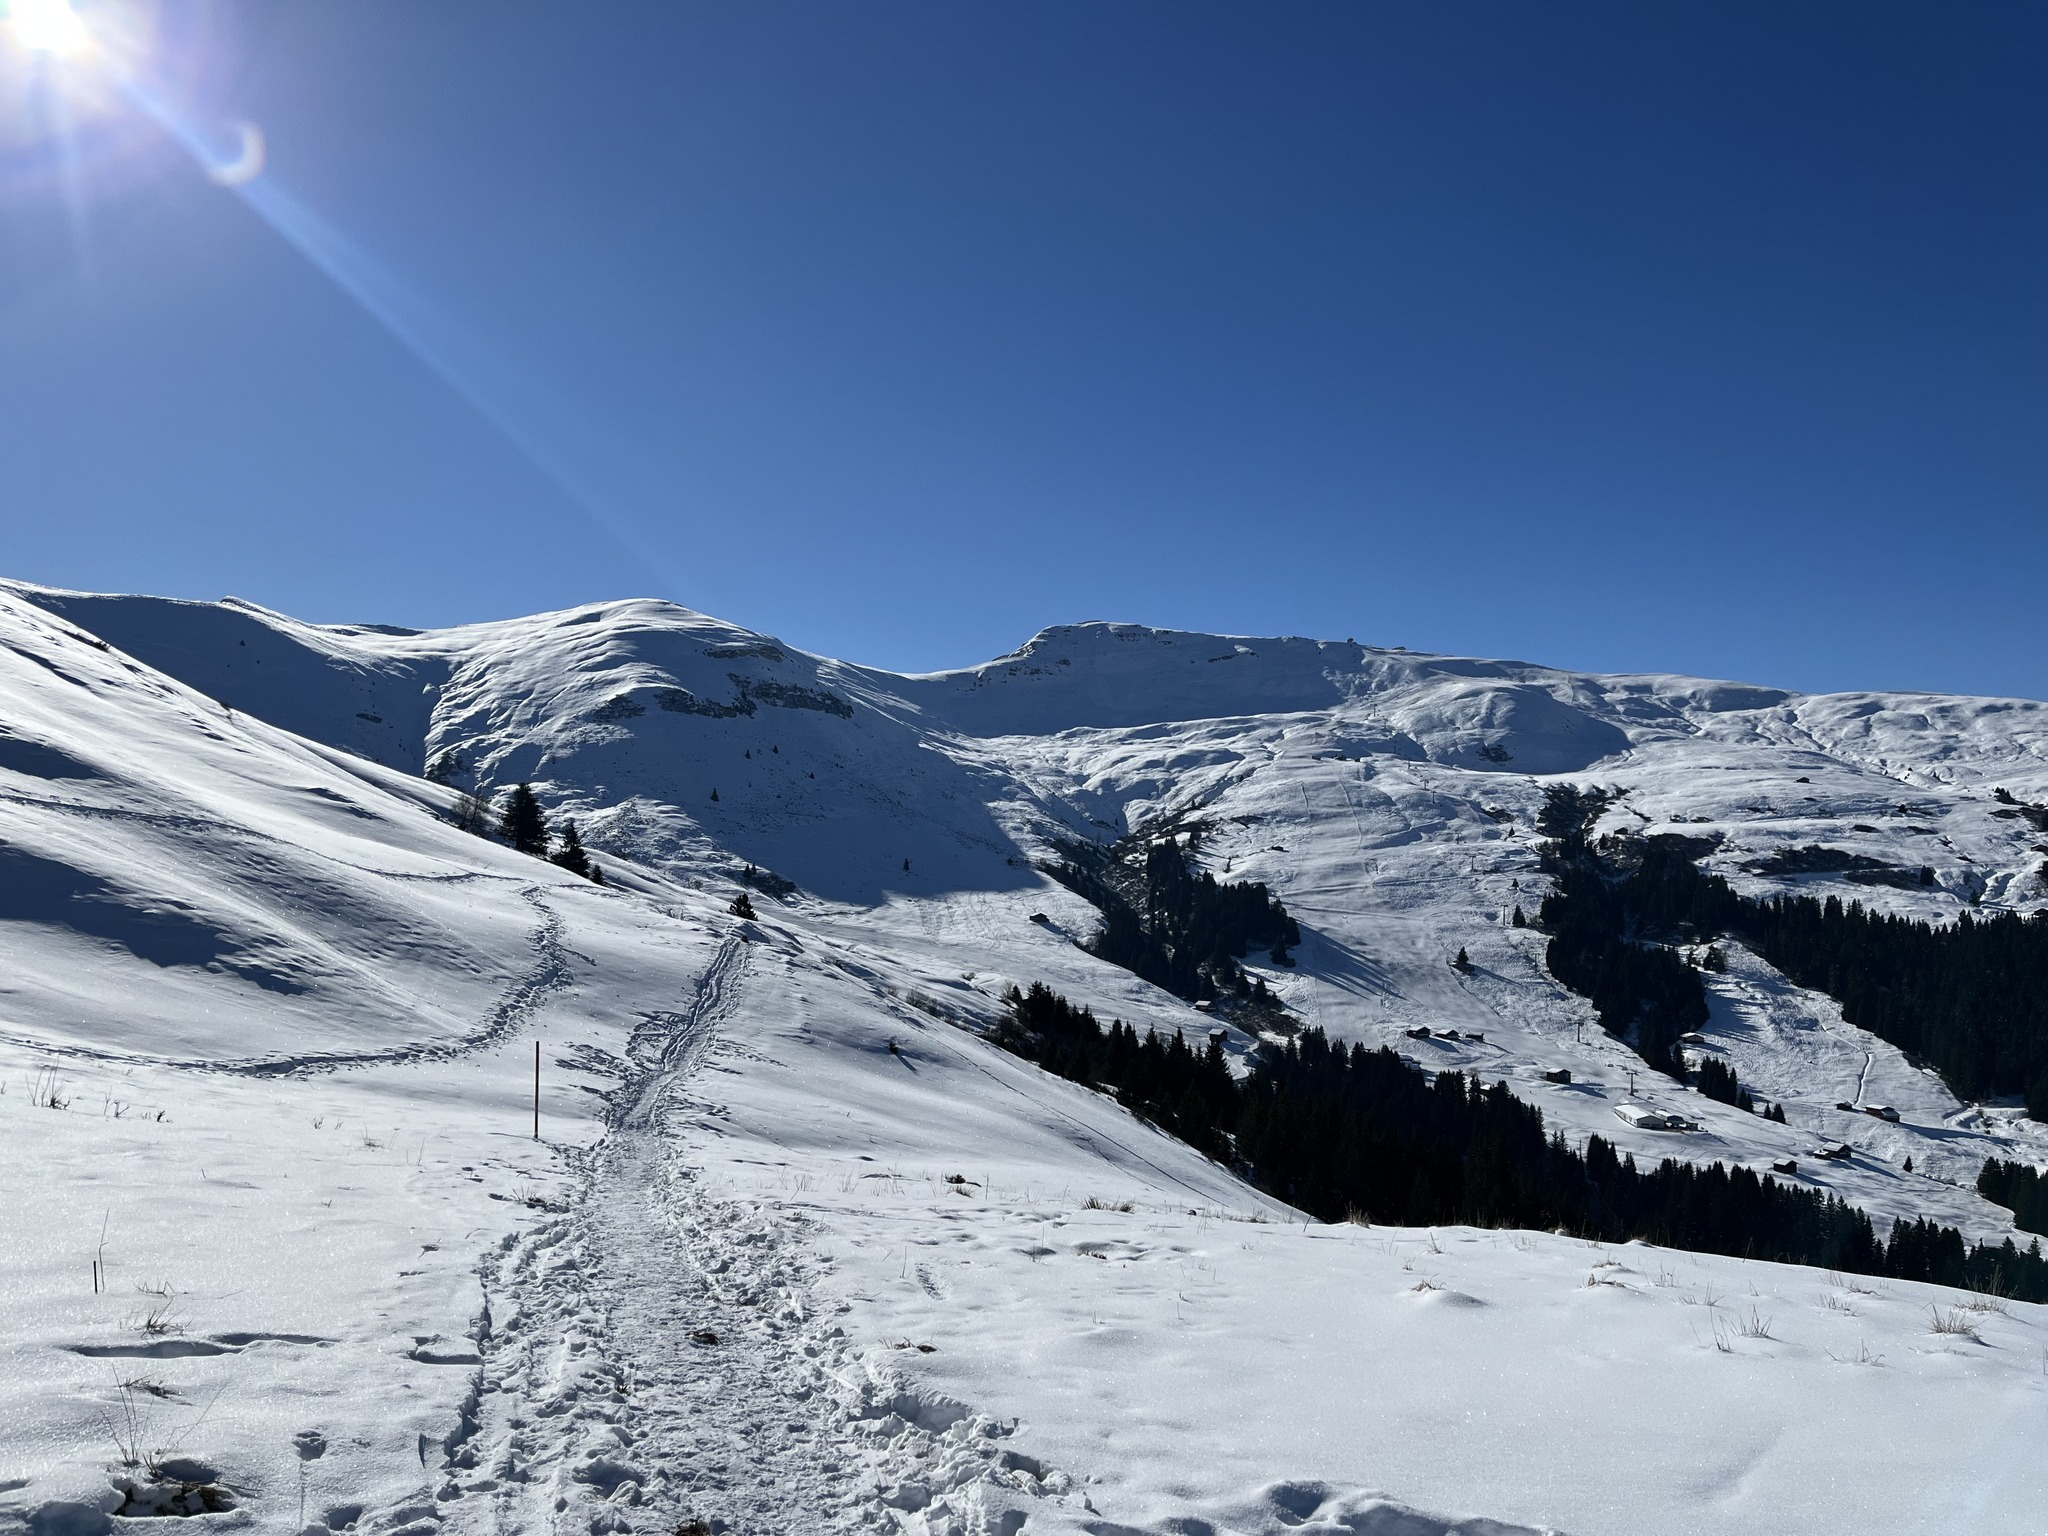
(559,440)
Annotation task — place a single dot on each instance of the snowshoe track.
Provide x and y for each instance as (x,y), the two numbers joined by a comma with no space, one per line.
(671,1044)
(654,1357)
(518,1003)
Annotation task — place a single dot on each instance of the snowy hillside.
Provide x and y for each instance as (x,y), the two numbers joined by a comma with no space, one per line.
(798,1249)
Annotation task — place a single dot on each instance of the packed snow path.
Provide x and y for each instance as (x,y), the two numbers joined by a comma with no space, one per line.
(650,1358)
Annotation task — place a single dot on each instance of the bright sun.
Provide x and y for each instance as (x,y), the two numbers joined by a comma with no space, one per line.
(48,26)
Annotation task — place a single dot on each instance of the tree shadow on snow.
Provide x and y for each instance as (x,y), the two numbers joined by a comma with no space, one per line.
(1322,957)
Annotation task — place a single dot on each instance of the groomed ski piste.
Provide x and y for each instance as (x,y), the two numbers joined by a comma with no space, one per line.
(796,1249)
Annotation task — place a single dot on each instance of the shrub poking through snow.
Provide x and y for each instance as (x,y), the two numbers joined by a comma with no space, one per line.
(473,815)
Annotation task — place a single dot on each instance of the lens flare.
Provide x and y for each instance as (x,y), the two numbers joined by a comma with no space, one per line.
(248,162)
(122,71)
(48,26)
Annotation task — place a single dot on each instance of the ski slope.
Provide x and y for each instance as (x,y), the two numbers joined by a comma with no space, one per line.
(797,1250)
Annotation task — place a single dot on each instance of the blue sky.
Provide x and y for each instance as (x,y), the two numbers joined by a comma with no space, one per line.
(1695,337)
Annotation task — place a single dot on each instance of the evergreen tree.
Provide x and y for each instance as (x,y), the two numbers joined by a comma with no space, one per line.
(1970,997)
(1717,1081)
(742,906)
(1518,919)
(1464,961)
(1339,1129)
(522,825)
(2020,1189)
(1173,924)
(571,855)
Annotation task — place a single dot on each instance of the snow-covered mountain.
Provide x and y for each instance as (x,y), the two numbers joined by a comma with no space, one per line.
(289,1012)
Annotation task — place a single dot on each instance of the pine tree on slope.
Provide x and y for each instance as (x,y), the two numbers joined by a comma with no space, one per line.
(522,825)
(571,855)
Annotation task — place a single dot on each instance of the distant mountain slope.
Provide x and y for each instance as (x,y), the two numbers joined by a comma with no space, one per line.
(1389,798)
(371,1176)
(645,708)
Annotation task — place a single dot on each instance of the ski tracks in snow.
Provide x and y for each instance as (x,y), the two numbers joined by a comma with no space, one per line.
(652,1358)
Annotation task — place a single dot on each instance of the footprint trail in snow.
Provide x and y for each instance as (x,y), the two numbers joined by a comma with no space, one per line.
(651,1357)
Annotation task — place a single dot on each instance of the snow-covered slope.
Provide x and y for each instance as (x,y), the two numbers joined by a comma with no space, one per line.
(182,881)
(1388,798)
(290,1014)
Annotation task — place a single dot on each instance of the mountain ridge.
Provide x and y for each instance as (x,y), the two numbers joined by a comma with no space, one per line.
(239,916)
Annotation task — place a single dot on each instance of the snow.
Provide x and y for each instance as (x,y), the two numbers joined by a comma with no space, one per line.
(1185,1361)
(797,1250)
